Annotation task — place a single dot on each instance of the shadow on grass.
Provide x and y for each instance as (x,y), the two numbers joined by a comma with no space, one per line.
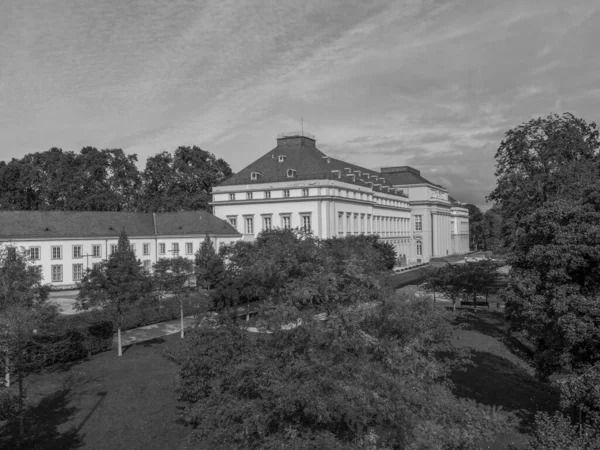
(494,380)
(42,426)
(491,323)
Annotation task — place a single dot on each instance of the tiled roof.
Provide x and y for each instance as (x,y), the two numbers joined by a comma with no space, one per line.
(301,154)
(56,224)
(192,222)
(406,178)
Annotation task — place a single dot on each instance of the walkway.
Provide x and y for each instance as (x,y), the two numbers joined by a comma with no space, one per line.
(154,331)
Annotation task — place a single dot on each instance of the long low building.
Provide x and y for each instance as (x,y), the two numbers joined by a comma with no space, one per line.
(63,244)
(295,185)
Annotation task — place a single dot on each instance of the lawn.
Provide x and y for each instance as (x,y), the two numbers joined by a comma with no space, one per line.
(105,403)
(500,374)
(130,402)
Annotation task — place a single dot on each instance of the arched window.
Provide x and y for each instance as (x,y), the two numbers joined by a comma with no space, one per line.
(419,248)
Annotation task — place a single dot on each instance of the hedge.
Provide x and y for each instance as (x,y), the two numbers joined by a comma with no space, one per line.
(148,314)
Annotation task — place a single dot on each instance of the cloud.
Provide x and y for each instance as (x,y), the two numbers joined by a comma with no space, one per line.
(434,84)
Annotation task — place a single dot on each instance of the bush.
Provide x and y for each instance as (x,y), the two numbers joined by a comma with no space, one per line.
(148,314)
(68,342)
(9,404)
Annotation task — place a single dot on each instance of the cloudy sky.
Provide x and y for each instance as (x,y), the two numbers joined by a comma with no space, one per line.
(430,83)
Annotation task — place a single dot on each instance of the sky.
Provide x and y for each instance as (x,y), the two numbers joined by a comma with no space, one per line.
(434,84)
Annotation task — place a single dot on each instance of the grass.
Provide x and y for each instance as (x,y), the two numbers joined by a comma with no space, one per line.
(130,402)
(501,374)
(105,403)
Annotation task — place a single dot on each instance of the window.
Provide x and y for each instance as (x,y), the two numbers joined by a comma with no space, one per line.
(189,248)
(57,254)
(113,248)
(305,192)
(267,194)
(232,196)
(286,192)
(34,253)
(348,223)
(355,223)
(96,251)
(418,223)
(132,248)
(77,272)
(267,222)
(306,222)
(96,266)
(232,221)
(162,249)
(419,248)
(249,195)
(77,251)
(291,173)
(36,270)
(281,158)
(175,248)
(340,223)
(146,249)
(286,222)
(254,175)
(57,273)
(147,265)
(249,225)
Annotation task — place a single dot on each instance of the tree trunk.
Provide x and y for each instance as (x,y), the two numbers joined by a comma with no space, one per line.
(6,369)
(453,305)
(474,302)
(181,311)
(433,295)
(21,405)
(120,350)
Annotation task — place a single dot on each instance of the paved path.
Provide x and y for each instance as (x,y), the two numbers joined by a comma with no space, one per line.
(154,331)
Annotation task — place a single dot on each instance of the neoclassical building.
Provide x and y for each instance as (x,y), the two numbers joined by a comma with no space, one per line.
(64,244)
(296,185)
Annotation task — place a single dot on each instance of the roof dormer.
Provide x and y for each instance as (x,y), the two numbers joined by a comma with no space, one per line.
(281,158)
(291,173)
(327,158)
(255,175)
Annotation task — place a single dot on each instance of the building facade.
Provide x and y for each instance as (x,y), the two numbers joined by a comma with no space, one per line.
(64,244)
(295,185)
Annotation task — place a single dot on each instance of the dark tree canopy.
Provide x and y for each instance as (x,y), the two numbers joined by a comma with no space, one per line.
(181,181)
(109,180)
(548,194)
(545,159)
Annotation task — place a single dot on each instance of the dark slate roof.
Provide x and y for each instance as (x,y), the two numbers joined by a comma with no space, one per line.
(405,175)
(302,155)
(56,224)
(192,222)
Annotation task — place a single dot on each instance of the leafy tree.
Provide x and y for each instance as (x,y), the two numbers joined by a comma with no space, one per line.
(23,309)
(548,195)
(173,275)
(182,181)
(363,379)
(475,230)
(93,180)
(543,160)
(209,265)
(116,285)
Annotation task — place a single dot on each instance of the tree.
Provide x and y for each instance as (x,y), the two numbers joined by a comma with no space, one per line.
(182,181)
(490,229)
(365,378)
(543,160)
(116,285)
(548,195)
(93,180)
(23,309)
(172,275)
(209,266)
(475,218)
